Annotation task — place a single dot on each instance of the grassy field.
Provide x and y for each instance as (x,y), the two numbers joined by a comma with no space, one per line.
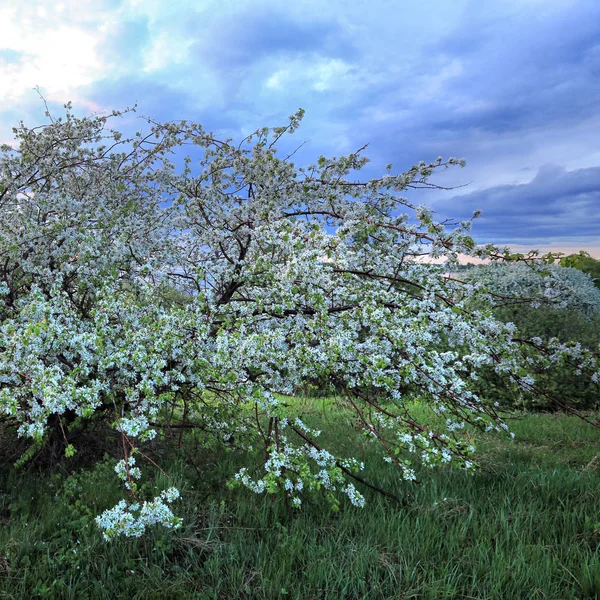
(526,526)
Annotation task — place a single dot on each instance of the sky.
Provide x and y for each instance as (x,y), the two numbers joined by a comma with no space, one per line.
(512,86)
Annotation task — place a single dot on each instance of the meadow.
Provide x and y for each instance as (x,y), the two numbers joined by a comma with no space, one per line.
(526,525)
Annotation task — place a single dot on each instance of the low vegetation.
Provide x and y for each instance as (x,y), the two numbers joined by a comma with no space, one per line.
(525,525)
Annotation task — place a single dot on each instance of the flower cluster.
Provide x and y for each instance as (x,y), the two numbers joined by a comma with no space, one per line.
(132,520)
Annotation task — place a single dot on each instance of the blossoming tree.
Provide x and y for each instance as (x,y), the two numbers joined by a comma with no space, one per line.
(132,283)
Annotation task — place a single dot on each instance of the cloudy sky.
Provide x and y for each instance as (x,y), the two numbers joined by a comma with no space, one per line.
(513,86)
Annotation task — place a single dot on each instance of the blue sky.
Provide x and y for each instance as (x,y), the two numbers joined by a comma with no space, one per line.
(513,86)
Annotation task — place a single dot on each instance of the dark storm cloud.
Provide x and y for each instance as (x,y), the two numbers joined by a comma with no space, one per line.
(509,91)
(531,73)
(513,73)
(554,207)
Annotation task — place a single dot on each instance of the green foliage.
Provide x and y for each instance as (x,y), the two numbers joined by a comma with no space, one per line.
(561,304)
(547,322)
(559,382)
(70,451)
(584,262)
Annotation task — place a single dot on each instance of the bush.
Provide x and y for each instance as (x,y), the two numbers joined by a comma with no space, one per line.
(150,289)
(560,304)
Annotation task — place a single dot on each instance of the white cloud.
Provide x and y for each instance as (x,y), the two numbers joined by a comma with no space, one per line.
(59,55)
(166,50)
(329,73)
(61,48)
(320,74)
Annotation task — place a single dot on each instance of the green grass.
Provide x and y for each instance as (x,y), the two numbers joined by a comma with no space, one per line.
(526,526)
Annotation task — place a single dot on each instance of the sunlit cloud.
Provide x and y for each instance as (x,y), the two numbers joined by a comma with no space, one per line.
(57,47)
